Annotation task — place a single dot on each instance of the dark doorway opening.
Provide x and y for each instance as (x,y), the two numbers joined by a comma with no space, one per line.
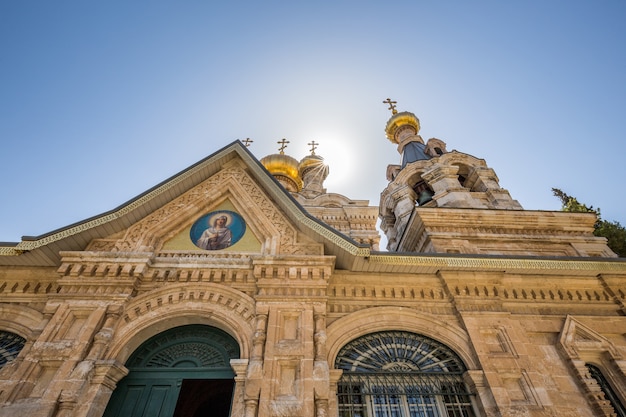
(204,398)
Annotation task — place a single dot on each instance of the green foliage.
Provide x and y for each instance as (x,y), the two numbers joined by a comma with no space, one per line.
(614,232)
(571,204)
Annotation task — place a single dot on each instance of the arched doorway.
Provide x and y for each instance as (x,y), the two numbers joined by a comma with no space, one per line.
(401,374)
(184,371)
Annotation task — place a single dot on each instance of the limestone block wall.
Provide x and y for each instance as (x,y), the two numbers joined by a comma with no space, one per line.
(512,330)
(525,337)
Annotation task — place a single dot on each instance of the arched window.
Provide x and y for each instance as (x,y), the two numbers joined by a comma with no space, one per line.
(401,374)
(10,346)
(606,388)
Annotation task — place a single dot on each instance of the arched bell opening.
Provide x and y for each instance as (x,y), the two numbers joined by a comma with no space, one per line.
(183,371)
(463,174)
(403,374)
(423,192)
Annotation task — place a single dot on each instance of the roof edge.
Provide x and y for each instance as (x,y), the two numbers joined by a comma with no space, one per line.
(29,243)
(300,214)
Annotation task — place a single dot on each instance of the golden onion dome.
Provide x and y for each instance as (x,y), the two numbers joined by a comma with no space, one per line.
(285,169)
(313,162)
(399,120)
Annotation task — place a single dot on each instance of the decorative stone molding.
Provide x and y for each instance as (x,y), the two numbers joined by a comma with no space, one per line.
(526,266)
(371,320)
(14,290)
(150,232)
(295,277)
(21,319)
(579,345)
(178,304)
(576,339)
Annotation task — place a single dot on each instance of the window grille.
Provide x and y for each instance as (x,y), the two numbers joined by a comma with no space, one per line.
(10,346)
(186,346)
(608,391)
(401,374)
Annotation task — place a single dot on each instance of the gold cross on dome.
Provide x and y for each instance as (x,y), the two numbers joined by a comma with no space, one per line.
(247,142)
(392,105)
(313,146)
(283,144)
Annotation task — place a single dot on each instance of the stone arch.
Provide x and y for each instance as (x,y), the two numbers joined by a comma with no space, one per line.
(175,305)
(376,319)
(185,370)
(20,320)
(420,191)
(435,147)
(463,173)
(456,158)
(468,169)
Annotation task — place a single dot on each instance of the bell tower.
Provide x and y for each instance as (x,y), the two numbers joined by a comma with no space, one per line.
(440,201)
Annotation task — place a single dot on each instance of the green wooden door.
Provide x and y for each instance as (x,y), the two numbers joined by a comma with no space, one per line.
(159,366)
(144,397)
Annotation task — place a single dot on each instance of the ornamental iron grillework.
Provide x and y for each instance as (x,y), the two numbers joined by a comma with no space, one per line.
(401,374)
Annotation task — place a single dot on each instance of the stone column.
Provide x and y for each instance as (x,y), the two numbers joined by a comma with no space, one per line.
(477,383)
(254,376)
(403,204)
(105,376)
(321,407)
(260,335)
(240,367)
(320,363)
(251,407)
(334,376)
(320,336)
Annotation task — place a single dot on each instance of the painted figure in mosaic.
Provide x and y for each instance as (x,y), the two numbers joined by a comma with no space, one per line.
(217,236)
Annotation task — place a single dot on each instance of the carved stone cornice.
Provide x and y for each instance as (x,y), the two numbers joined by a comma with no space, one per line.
(571,266)
(296,277)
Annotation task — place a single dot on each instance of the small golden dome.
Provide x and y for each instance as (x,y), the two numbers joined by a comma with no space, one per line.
(285,169)
(399,120)
(311,162)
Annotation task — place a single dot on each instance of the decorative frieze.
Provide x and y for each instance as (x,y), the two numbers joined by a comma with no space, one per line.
(181,295)
(293,277)
(18,288)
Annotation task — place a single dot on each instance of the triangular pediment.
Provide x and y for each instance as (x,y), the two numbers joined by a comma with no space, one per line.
(231,182)
(227,212)
(577,338)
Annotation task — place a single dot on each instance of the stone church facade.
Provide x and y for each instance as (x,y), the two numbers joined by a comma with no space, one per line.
(241,287)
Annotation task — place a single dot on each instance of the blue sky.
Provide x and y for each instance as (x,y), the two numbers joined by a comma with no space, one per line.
(100,101)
